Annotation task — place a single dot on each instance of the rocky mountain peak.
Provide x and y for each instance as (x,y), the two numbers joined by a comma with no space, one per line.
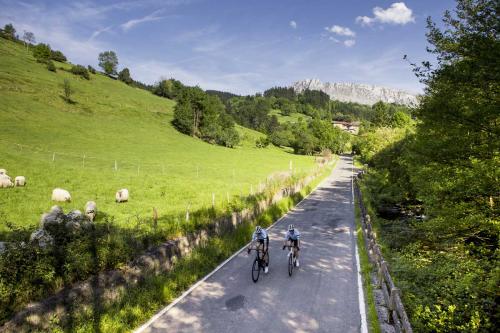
(359,93)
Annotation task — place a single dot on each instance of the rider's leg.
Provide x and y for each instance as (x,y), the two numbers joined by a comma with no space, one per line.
(260,249)
(266,257)
(296,252)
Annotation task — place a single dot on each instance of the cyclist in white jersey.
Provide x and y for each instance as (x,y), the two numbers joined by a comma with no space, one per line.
(292,238)
(262,239)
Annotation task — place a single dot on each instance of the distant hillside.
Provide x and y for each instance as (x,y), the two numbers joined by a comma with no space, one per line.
(223,95)
(358,93)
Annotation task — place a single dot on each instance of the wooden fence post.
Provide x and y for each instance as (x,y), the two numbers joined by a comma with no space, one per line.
(392,302)
(155,218)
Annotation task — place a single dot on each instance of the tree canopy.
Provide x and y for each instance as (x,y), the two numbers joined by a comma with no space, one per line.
(108,61)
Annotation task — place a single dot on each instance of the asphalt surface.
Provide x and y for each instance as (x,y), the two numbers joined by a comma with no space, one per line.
(321,296)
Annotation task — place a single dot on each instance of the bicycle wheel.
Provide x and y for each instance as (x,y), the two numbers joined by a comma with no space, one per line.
(255,270)
(290,264)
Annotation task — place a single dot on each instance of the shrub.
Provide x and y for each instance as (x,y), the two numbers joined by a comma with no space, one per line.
(67,90)
(262,142)
(80,70)
(91,69)
(42,52)
(57,56)
(50,66)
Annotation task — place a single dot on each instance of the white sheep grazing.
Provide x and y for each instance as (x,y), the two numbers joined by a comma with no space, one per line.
(5,176)
(122,195)
(3,172)
(20,181)
(91,210)
(5,181)
(58,194)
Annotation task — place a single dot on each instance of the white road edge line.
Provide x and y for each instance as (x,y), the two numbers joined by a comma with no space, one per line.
(361,295)
(193,287)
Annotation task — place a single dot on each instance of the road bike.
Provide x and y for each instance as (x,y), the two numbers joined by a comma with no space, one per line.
(291,259)
(259,264)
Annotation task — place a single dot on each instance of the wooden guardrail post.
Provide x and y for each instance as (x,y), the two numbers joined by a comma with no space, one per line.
(155,217)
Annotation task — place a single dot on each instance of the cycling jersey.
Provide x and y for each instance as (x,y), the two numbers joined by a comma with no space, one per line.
(259,236)
(292,235)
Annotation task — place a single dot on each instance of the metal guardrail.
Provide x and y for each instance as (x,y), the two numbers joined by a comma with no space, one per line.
(392,294)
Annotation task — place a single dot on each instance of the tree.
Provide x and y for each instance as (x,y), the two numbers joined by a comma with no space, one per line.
(201,115)
(168,88)
(67,90)
(42,52)
(9,31)
(28,38)
(108,61)
(381,116)
(124,76)
(400,119)
(58,56)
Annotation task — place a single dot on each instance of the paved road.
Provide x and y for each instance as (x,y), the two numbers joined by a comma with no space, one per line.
(322,296)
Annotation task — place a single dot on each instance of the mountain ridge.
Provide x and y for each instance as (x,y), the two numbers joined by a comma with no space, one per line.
(358,93)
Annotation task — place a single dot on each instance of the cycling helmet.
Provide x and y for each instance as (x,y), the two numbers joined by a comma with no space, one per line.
(258,229)
(291,227)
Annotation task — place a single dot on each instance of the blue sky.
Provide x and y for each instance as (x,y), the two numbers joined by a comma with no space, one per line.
(240,46)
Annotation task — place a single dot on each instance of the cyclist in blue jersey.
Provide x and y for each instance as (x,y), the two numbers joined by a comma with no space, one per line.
(292,238)
(262,239)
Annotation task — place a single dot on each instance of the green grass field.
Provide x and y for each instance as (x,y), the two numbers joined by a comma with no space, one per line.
(75,146)
(293,118)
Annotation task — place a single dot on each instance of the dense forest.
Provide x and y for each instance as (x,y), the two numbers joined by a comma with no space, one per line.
(435,184)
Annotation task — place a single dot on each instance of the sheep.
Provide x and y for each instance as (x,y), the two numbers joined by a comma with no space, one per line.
(20,181)
(5,181)
(58,194)
(91,210)
(122,195)
(3,172)
(5,176)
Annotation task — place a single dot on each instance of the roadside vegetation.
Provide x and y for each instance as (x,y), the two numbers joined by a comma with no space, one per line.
(366,271)
(434,185)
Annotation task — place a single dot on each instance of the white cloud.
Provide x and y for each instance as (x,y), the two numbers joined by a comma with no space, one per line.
(397,13)
(97,32)
(341,31)
(148,18)
(349,42)
(364,20)
(293,24)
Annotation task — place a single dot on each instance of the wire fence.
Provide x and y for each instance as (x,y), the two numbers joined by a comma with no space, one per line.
(216,185)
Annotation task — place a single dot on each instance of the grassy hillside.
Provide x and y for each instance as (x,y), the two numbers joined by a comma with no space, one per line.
(293,118)
(75,146)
